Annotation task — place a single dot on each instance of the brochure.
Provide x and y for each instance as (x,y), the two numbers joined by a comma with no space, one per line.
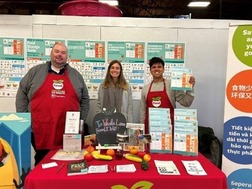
(194,167)
(129,168)
(185,132)
(166,167)
(160,129)
(98,169)
(180,78)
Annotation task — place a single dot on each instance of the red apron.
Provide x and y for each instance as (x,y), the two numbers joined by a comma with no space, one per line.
(162,102)
(48,110)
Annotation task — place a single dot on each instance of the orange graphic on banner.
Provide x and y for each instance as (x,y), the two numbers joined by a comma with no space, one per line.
(18,47)
(239,91)
(188,143)
(99,50)
(163,141)
(139,51)
(178,52)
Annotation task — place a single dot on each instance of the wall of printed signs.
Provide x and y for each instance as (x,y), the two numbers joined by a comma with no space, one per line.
(90,58)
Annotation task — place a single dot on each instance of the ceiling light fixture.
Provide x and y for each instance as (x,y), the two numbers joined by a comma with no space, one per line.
(198,4)
(113,2)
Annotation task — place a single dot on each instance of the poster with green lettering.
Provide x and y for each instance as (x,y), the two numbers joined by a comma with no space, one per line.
(38,50)
(131,55)
(12,65)
(88,57)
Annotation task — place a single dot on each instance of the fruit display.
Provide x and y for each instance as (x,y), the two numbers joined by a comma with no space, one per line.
(147,157)
(141,154)
(133,150)
(102,157)
(133,157)
(144,165)
(134,154)
(90,149)
(110,152)
(88,157)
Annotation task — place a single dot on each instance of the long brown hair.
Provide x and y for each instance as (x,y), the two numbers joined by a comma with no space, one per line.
(121,82)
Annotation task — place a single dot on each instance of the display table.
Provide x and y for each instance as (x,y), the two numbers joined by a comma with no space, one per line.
(48,178)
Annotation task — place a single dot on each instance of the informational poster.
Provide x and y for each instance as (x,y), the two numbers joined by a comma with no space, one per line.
(237,138)
(88,57)
(12,65)
(160,129)
(18,55)
(185,132)
(38,50)
(131,55)
(173,54)
(180,78)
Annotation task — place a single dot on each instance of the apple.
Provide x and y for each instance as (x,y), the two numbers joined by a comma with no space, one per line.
(147,157)
(141,154)
(88,157)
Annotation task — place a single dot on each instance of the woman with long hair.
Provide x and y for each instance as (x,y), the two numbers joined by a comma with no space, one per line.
(115,92)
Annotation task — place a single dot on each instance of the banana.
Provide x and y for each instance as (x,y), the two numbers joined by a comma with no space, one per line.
(102,157)
(132,157)
(95,152)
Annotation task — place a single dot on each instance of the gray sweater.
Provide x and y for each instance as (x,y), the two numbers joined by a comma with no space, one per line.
(35,77)
(127,103)
(184,98)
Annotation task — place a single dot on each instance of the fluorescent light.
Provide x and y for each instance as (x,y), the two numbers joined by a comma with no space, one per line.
(198,4)
(113,3)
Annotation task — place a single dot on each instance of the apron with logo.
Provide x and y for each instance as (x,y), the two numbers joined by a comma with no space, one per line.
(49,105)
(157,99)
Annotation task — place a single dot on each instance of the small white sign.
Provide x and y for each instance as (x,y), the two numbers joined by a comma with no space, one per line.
(72,125)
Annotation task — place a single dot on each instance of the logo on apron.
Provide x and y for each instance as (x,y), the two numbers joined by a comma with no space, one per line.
(57,86)
(156,101)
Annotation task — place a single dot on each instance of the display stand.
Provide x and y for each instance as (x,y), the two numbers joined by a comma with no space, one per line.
(160,128)
(185,132)
(108,146)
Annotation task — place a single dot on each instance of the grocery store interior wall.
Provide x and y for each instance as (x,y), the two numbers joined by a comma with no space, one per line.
(206,50)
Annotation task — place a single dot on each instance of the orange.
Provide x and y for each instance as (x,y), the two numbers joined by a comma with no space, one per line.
(147,157)
(110,152)
(90,149)
(133,150)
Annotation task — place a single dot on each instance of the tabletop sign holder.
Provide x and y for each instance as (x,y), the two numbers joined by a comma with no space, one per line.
(185,132)
(108,124)
(71,137)
(160,128)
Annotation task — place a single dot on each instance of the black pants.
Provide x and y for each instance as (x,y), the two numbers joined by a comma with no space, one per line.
(39,154)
